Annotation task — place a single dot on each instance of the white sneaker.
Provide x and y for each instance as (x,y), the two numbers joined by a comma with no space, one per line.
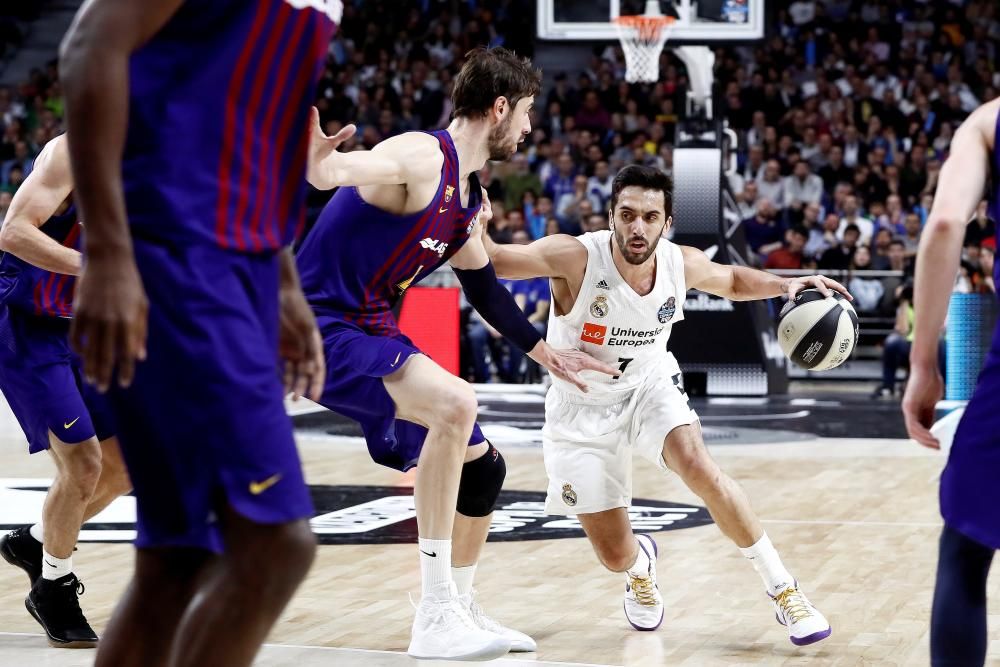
(444,630)
(804,622)
(643,604)
(519,642)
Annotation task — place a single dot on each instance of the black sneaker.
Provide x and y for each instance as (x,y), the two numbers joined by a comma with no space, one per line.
(21,550)
(55,605)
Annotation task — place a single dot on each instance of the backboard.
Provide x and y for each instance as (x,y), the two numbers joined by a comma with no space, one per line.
(700,21)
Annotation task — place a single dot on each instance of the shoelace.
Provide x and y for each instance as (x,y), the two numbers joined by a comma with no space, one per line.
(643,589)
(481,619)
(442,607)
(794,604)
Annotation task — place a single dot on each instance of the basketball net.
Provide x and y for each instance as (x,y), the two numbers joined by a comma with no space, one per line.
(642,38)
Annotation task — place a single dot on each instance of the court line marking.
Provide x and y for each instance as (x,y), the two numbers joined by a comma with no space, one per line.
(744,418)
(823,522)
(540,663)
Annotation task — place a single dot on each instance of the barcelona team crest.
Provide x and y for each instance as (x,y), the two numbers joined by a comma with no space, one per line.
(449,191)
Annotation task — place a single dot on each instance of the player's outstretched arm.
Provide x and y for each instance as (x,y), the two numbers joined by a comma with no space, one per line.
(741,283)
(555,256)
(395,161)
(37,200)
(109,315)
(960,189)
(497,306)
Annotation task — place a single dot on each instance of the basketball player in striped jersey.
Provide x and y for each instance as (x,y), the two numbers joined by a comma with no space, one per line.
(189,127)
(42,381)
(616,294)
(970,483)
(405,208)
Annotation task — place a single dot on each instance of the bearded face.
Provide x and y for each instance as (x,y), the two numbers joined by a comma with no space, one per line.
(502,142)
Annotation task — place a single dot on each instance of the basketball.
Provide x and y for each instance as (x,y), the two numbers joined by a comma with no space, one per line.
(818,332)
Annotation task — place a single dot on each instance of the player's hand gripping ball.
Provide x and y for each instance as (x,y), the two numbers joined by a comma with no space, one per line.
(818,332)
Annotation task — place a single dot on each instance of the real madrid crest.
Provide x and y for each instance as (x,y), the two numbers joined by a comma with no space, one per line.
(569,495)
(599,308)
(667,310)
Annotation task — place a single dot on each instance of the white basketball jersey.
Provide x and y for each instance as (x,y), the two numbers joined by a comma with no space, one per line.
(611,322)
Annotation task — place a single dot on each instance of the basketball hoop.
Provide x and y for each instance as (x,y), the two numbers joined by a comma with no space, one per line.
(642,39)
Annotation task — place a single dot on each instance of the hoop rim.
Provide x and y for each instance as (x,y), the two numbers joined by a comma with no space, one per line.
(644,21)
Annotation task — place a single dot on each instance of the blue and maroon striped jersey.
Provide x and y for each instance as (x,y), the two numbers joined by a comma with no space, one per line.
(358,259)
(218,122)
(37,291)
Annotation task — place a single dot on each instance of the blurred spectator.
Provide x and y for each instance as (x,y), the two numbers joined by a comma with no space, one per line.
(772,187)
(576,205)
(835,171)
(853,217)
(599,185)
(867,291)
(838,257)
(789,256)
(763,232)
(519,181)
(560,183)
(880,249)
(802,187)
(537,215)
(821,237)
(911,233)
(746,201)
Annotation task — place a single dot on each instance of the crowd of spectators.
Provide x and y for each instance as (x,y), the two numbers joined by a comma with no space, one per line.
(844,112)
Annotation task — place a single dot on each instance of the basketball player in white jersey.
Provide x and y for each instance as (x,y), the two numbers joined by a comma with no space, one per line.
(616,294)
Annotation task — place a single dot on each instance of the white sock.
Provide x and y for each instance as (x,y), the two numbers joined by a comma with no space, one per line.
(463,576)
(54,568)
(36,532)
(435,564)
(641,566)
(768,565)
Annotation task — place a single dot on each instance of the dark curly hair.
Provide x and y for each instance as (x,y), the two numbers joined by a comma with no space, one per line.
(491,73)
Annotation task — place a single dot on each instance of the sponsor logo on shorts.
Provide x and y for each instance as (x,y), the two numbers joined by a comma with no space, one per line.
(600,308)
(667,310)
(593,333)
(569,495)
(377,515)
(70,424)
(257,488)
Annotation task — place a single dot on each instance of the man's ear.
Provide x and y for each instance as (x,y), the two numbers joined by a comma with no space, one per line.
(501,107)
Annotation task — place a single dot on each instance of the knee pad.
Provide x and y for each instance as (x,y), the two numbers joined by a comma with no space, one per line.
(480,484)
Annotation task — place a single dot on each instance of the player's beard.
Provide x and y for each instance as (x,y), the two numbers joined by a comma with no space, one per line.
(630,256)
(501,145)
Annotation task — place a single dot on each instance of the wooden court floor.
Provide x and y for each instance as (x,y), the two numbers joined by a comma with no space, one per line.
(855,520)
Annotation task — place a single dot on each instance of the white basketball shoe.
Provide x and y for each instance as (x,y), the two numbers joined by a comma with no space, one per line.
(804,622)
(443,629)
(643,604)
(519,642)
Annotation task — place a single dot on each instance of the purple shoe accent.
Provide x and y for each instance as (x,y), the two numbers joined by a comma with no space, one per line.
(656,549)
(658,623)
(811,639)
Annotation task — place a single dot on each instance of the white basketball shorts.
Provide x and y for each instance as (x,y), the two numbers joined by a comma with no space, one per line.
(588,444)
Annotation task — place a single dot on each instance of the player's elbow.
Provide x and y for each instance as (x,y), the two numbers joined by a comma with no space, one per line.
(10,237)
(944,223)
